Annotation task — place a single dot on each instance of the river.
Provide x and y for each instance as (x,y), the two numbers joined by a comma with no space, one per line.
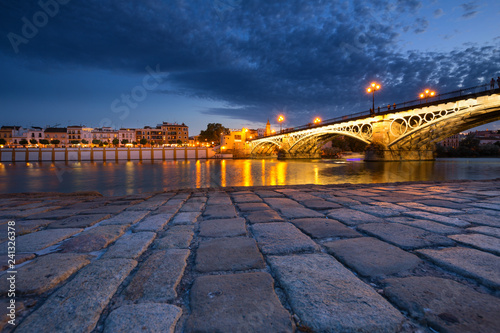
(122,178)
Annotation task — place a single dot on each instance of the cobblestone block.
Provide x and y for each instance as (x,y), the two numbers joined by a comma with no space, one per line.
(243,302)
(490,231)
(432,209)
(299,212)
(282,238)
(431,226)
(319,204)
(93,239)
(219,212)
(472,263)
(454,221)
(444,203)
(482,219)
(185,218)
(142,318)
(479,241)
(371,257)
(445,305)
(158,277)
(269,194)
(77,306)
(223,228)
(228,254)
(219,200)
(285,203)
(192,207)
(153,223)
(252,206)
(343,201)
(45,272)
(79,221)
(130,246)
(243,198)
(405,236)
(109,209)
(324,228)
(176,237)
(352,217)
(327,297)
(20,258)
(264,216)
(125,218)
(150,204)
(39,240)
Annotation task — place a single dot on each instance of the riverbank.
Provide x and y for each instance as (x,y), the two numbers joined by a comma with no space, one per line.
(380,257)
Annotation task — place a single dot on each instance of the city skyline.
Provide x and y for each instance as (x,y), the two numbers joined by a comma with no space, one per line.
(232,62)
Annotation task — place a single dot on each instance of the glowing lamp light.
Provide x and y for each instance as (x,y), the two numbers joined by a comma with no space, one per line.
(317,120)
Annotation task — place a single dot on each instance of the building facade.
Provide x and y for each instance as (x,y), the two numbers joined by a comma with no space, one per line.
(57,133)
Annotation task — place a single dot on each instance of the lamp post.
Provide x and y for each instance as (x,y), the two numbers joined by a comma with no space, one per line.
(427,93)
(317,120)
(371,89)
(280,120)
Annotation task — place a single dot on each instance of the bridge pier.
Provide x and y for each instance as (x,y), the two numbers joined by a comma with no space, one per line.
(388,155)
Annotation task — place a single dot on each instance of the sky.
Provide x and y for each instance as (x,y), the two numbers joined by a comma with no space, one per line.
(126,63)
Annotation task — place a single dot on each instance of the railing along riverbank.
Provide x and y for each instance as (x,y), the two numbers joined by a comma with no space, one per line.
(103,154)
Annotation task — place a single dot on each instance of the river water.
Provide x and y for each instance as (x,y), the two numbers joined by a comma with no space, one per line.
(111,178)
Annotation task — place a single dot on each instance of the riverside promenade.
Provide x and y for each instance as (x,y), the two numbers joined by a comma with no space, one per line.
(409,257)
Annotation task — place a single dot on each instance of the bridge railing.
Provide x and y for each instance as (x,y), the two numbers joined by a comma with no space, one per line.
(481,90)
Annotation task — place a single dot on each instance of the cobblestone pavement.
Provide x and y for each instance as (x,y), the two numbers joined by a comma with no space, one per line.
(411,257)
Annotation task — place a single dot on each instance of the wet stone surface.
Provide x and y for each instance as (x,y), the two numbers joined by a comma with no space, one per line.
(406,257)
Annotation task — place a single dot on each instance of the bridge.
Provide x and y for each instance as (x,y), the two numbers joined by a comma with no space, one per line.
(407,133)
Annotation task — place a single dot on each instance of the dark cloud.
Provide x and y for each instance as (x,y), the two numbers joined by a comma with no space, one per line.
(258,57)
(438,13)
(469,9)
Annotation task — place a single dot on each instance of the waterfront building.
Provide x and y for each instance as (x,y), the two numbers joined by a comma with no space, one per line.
(237,139)
(153,135)
(10,134)
(128,134)
(35,133)
(487,137)
(174,132)
(57,133)
(79,133)
(104,134)
(452,141)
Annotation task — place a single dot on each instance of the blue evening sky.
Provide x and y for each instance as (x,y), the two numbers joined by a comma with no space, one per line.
(234,62)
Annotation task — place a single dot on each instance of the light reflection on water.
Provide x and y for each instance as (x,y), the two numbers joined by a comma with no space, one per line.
(111,178)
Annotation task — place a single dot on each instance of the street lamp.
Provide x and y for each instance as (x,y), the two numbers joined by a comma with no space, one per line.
(280,120)
(317,120)
(427,93)
(371,89)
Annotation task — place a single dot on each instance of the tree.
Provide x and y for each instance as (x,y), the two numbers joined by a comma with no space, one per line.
(134,143)
(124,141)
(213,133)
(74,142)
(44,141)
(55,142)
(96,142)
(3,142)
(33,141)
(84,141)
(23,142)
(116,142)
(143,141)
(179,142)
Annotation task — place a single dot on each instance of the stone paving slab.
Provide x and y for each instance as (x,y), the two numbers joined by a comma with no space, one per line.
(282,238)
(264,216)
(45,272)
(176,237)
(20,258)
(252,206)
(130,246)
(93,239)
(185,218)
(324,228)
(371,257)
(320,204)
(278,203)
(245,198)
(219,212)
(432,209)
(77,306)
(153,223)
(472,263)
(223,228)
(40,240)
(404,236)
(377,210)
(445,305)
(453,221)
(328,297)
(150,204)
(479,241)
(431,226)
(299,212)
(109,209)
(191,207)
(158,277)
(352,217)
(490,231)
(483,219)
(125,218)
(269,194)
(79,221)
(142,318)
(228,254)
(243,302)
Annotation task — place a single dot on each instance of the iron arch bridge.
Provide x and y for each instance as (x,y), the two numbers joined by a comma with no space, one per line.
(406,134)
